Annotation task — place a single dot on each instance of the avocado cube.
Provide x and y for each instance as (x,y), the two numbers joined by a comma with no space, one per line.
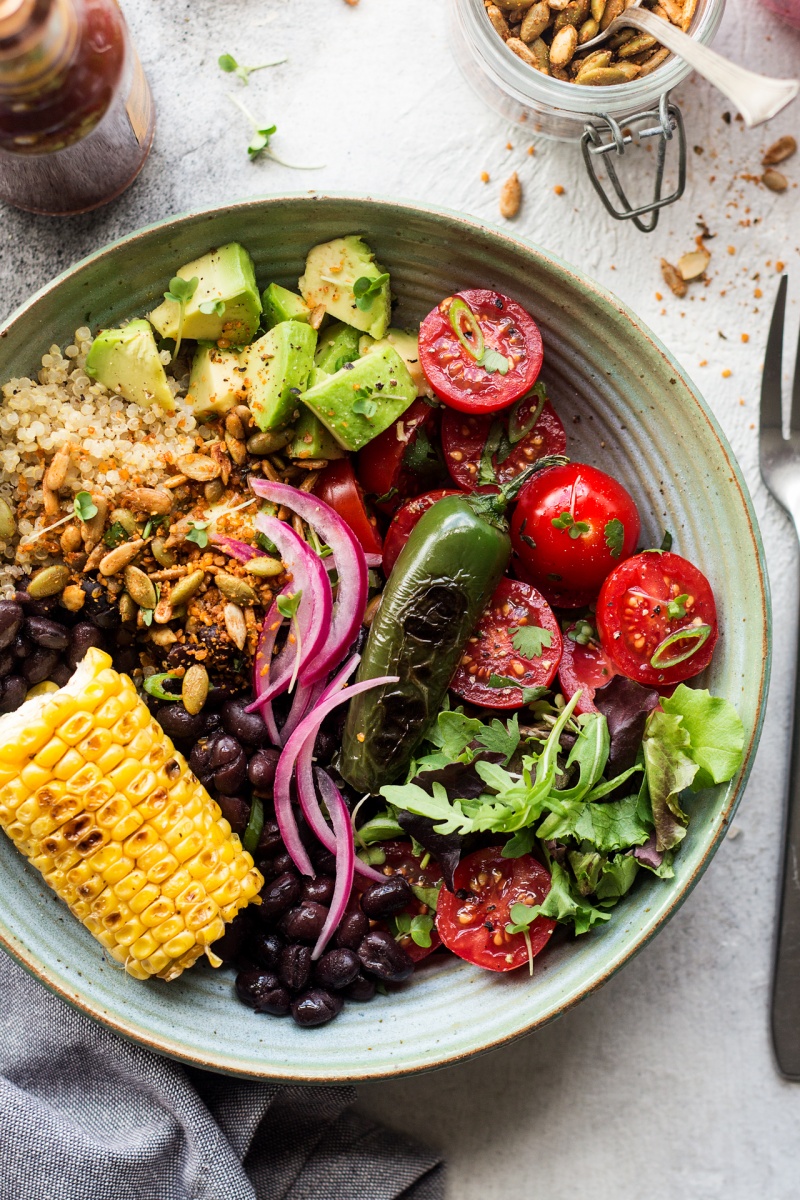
(127,361)
(332,271)
(277,367)
(336,346)
(279,304)
(363,398)
(406,344)
(311,438)
(226,279)
(216,382)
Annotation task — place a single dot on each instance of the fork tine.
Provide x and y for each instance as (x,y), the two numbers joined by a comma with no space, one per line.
(770,411)
(795,419)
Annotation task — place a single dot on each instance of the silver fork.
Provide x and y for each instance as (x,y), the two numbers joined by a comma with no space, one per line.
(780,470)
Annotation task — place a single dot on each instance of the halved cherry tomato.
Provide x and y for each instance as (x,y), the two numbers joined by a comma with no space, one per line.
(584,664)
(469,340)
(474,927)
(464,439)
(657,619)
(571,526)
(404,521)
(338,487)
(401,860)
(517,621)
(404,460)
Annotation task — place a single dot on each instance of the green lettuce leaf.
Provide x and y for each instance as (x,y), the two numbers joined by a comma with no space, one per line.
(615,825)
(590,754)
(563,903)
(716,733)
(616,877)
(670,771)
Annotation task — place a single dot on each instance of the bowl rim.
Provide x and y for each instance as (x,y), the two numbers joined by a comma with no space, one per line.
(239,1065)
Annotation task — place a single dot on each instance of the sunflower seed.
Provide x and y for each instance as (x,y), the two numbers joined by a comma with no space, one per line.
(56,474)
(776,181)
(235,625)
(510,197)
(784,148)
(693,265)
(194,690)
(117,559)
(672,277)
(153,501)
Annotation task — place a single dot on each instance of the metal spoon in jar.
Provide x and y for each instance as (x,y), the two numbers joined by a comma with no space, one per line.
(757,97)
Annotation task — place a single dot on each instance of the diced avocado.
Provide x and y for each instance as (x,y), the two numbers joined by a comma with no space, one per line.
(312,439)
(126,361)
(279,304)
(225,278)
(336,346)
(216,382)
(332,270)
(363,398)
(277,367)
(407,346)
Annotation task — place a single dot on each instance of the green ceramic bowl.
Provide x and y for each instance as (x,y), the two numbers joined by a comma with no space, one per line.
(613,384)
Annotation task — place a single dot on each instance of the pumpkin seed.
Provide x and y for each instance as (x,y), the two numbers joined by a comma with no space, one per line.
(611,11)
(588,30)
(260,444)
(235,589)
(499,23)
(597,8)
(140,588)
(194,691)
(164,557)
(693,265)
(127,609)
(235,625)
(213,491)
(264,567)
(604,76)
(125,518)
(776,181)
(8,522)
(49,581)
(118,558)
(637,45)
(563,46)
(153,501)
(784,148)
(537,18)
(185,588)
(596,58)
(199,467)
(541,55)
(234,426)
(526,54)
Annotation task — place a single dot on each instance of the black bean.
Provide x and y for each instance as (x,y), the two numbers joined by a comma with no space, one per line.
(322,859)
(283,862)
(316,1006)
(177,722)
(11,617)
(61,674)
(278,896)
(270,839)
(337,968)
(83,636)
(319,889)
(229,764)
(126,661)
(390,896)
(231,945)
(98,609)
(325,747)
(13,694)
(360,989)
(247,727)
(200,760)
(236,812)
(47,633)
(22,646)
(7,661)
(304,923)
(263,991)
(353,928)
(213,719)
(266,948)
(295,966)
(383,958)
(38,665)
(261,769)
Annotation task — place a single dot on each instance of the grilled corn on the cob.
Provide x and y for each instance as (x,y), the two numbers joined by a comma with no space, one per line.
(95,796)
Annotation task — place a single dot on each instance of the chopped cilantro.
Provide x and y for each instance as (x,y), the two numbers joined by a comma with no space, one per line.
(615,536)
(531,640)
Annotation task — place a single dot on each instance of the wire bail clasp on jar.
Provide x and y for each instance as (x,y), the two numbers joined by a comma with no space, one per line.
(664,123)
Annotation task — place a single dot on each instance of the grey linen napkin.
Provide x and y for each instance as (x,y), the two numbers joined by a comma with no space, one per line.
(85,1115)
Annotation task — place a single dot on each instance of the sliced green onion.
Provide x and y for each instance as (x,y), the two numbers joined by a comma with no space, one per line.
(697,634)
(519,426)
(466,328)
(154,686)
(254,826)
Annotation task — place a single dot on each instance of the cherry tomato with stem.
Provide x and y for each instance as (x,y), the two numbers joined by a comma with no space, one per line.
(584,664)
(404,521)
(657,619)
(480,351)
(404,460)
(516,646)
(572,525)
(474,927)
(337,486)
(482,450)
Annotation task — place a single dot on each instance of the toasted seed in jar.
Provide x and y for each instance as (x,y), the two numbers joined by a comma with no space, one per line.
(605,76)
(611,11)
(499,23)
(163,556)
(153,501)
(235,624)
(776,181)
(235,589)
(48,581)
(522,51)
(8,522)
(597,58)
(264,566)
(563,46)
(536,20)
(200,467)
(784,148)
(260,444)
(185,588)
(541,53)
(194,690)
(588,30)
(510,197)
(118,558)
(637,45)
(73,598)
(140,588)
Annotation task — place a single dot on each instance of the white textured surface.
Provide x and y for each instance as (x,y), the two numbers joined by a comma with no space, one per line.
(662,1085)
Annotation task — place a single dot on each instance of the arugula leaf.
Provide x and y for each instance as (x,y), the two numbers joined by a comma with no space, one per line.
(288,604)
(453,732)
(365,290)
(529,694)
(531,640)
(590,754)
(197,533)
(670,771)
(615,536)
(492,361)
(521,843)
(449,818)
(500,738)
(716,733)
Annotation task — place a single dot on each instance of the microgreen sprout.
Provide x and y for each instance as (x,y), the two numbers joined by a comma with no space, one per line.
(228,64)
(259,144)
(567,521)
(676,609)
(181,291)
(365,289)
(85,507)
(198,534)
(215,307)
(364,403)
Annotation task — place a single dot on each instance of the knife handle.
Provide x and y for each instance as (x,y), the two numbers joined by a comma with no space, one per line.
(786,981)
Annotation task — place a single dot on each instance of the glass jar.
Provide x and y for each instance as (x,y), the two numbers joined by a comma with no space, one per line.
(555,108)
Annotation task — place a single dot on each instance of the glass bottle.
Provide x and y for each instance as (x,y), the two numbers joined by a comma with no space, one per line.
(76,113)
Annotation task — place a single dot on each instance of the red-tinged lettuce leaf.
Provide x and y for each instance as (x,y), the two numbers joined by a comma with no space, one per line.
(445,848)
(460,780)
(626,705)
